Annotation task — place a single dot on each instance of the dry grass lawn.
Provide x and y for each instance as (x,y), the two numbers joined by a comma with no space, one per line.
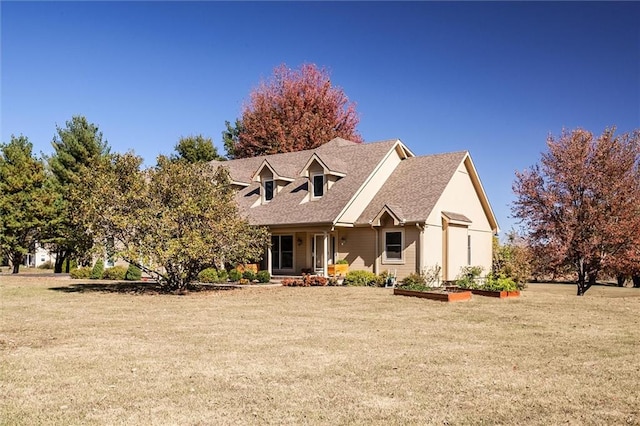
(316,356)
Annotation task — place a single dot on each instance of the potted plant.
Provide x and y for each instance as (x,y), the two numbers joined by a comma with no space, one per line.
(340,268)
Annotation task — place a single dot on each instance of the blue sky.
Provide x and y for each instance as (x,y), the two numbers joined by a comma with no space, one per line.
(494,78)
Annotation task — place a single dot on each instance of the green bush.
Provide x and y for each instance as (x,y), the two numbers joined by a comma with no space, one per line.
(116,273)
(468,277)
(133,273)
(249,275)
(209,275)
(234,275)
(80,273)
(263,276)
(361,278)
(98,270)
(342,262)
(46,265)
(499,283)
(222,276)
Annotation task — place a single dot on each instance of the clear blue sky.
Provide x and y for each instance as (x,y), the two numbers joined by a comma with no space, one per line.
(492,78)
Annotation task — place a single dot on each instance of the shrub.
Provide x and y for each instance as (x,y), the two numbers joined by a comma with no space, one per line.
(314,280)
(292,282)
(234,275)
(249,275)
(98,270)
(209,275)
(361,278)
(263,276)
(133,273)
(500,283)
(46,265)
(342,262)
(468,276)
(222,276)
(414,280)
(80,273)
(116,273)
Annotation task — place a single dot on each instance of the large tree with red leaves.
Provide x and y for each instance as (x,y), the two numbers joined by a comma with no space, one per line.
(292,111)
(581,205)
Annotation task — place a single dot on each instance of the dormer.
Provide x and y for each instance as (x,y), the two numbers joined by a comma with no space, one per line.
(322,175)
(270,181)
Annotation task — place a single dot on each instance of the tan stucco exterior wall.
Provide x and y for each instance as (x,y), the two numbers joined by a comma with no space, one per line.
(459,197)
(358,248)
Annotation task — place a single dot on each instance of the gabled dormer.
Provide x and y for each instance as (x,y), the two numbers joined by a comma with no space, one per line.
(321,174)
(270,181)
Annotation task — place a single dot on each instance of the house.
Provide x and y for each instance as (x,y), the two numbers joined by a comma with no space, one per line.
(376,205)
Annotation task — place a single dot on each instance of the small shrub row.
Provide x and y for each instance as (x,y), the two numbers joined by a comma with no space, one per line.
(306,281)
(212,275)
(116,273)
(363,278)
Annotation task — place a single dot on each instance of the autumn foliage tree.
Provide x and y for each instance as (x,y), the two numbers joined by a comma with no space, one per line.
(581,205)
(292,111)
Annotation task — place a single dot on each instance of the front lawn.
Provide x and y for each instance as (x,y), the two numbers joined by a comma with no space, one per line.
(319,355)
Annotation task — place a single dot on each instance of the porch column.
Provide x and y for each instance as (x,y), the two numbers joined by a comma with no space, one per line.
(325,264)
(269,254)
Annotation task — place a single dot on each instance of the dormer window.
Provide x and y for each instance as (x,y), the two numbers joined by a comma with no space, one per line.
(268,190)
(317,182)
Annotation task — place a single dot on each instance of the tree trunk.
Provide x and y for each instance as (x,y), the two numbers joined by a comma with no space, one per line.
(16,260)
(57,267)
(636,281)
(621,280)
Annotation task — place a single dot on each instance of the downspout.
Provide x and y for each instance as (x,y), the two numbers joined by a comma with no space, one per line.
(375,262)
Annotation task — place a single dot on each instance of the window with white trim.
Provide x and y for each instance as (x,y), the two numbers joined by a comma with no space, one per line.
(268,190)
(317,185)
(393,244)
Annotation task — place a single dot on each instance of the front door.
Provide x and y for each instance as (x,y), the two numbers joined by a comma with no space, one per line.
(318,252)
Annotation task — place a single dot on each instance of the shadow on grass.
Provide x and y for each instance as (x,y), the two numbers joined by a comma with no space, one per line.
(136,287)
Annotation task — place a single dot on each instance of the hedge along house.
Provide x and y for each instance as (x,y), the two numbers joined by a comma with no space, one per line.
(376,205)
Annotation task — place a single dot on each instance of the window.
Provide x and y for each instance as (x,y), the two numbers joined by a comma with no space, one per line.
(393,246)
(281,252)
(268,190)
(469,250)
(317,182)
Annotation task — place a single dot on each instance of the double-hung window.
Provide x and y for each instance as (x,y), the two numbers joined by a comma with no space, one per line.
(393,242)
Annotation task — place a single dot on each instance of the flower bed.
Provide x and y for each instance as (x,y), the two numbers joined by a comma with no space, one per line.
(446,295)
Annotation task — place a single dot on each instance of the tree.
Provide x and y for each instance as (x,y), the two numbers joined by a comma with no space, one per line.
(78,149)
(512,259)
(581,205)
(230,137)
(196,149)
(25,204)
(170,221)
(292,111)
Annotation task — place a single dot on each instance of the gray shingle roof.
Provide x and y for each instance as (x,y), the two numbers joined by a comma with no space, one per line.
(357,161)
(414,187)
